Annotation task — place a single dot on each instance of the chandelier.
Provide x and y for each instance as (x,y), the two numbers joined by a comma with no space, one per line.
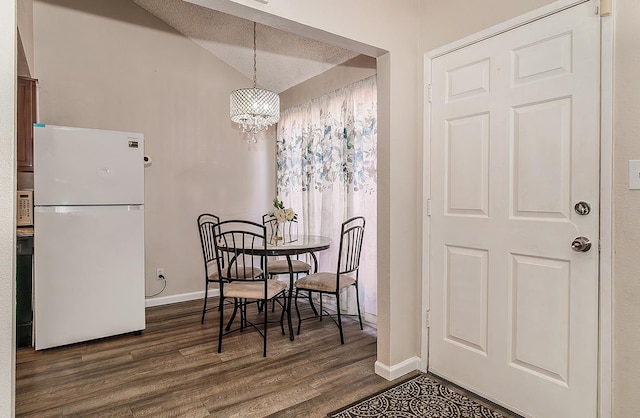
(254,109)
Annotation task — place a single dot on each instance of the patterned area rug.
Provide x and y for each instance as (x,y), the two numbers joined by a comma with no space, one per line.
(423,397)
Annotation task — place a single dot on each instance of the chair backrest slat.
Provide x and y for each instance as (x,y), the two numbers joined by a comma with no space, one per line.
(351,239)
(206,225)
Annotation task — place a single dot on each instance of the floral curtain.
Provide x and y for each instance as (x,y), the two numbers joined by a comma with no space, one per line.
(326,171)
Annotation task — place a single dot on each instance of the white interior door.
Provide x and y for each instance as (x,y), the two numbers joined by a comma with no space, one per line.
(514,146)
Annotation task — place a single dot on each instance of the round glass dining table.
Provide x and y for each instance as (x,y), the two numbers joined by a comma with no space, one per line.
(302,244)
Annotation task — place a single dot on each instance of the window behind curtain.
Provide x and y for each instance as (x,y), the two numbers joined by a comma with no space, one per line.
(327,172)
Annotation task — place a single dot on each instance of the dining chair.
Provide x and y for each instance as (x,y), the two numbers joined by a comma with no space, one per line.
(241,247)
(345,276)
(206,223)
(277,267)
(281,266)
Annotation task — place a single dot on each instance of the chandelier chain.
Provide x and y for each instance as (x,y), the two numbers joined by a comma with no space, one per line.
(255,66)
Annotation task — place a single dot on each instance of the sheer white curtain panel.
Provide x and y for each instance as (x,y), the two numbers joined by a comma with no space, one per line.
(326,172)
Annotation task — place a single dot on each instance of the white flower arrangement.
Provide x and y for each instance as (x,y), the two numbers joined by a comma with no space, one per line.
(283,229)
(281,213)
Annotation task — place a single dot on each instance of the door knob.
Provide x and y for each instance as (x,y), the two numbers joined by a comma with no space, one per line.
(581,244)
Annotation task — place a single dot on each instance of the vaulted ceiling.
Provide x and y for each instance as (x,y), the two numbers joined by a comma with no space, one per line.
(283,59)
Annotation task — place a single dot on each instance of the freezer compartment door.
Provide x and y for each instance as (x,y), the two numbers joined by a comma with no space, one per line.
(89,273)
(77,166)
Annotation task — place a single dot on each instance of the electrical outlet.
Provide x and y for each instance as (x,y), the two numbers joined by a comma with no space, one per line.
(160,273)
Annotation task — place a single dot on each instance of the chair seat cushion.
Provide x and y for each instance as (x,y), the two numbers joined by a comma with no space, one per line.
(242,272)
(282,267)
(323,282)
(253,290)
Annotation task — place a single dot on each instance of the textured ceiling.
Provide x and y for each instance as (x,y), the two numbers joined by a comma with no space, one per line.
(283,59)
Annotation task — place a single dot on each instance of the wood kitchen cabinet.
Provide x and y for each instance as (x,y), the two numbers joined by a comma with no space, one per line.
(26,117)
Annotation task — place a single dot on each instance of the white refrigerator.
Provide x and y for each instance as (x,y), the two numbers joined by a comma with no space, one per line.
(89,276)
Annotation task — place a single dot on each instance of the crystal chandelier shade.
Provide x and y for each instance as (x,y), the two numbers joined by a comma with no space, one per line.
(254,109)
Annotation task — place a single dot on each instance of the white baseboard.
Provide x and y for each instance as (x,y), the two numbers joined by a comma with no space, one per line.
(397,370)
(371,319)
(167,300)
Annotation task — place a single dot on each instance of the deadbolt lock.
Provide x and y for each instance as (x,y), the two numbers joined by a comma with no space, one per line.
(582,208)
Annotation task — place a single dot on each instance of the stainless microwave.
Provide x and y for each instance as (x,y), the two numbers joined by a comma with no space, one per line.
(24,211)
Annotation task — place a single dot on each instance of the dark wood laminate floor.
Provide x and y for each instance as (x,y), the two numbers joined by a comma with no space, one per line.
(173,370)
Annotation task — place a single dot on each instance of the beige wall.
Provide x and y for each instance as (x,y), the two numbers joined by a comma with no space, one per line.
(626,269)
(349,72)
(7,204)
(109,64)
(445,22)
(399,72)
(25,34)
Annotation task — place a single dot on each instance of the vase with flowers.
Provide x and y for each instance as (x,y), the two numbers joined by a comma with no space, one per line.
(284,225)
